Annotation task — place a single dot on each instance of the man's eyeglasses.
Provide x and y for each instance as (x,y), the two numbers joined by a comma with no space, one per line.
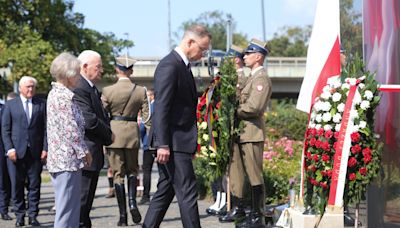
(203,50)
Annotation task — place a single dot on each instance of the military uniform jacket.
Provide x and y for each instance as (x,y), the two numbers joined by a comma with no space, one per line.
(253,100)
(114,98)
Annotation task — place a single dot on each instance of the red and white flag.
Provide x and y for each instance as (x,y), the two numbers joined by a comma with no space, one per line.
(323,55)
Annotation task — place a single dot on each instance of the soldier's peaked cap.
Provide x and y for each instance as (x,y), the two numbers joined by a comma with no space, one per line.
(124,62)
(257,46)
(235,51)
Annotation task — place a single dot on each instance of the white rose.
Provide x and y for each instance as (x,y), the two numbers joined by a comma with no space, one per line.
(361,85)
(357,99)
(327,127)
(318,118)
(334,82)
(206,137)
(337,118)
(326,106)
(340,107)
(353,114)
(318,126)
(326,117)
(326,95)
(336,97)
(318,105)
(326,88)
(368,95)
(362,124)
(203,125)
(204,150)
(311,125)
(355,128)
(313,115)
(337,127)
(364,105)
(345,86)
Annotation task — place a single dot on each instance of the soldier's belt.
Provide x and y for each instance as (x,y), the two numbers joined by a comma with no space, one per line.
(124,118)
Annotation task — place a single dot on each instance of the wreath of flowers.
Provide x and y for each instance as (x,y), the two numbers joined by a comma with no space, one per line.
(323,131)
(216,121)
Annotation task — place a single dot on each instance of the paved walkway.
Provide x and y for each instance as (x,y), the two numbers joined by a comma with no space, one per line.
(105,211)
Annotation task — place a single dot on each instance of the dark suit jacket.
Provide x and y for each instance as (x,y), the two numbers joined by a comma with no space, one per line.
(174,121)
(15,130)
(97,124)
(2,153)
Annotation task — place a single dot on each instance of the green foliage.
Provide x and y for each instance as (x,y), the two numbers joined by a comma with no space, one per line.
(39,30)
(351,27)
(290,42)
(284,120)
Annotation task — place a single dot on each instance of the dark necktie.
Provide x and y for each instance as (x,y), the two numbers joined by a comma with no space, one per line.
(96,91)
(27,111)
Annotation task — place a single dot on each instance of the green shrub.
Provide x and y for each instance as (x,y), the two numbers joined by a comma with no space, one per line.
(284,120)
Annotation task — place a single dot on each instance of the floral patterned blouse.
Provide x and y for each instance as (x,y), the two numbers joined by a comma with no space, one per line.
(65,131)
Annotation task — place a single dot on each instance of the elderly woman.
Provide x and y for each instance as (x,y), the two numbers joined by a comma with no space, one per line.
(67,151)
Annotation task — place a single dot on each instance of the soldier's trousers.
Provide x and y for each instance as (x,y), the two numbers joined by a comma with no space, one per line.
(246,159)
(123,162)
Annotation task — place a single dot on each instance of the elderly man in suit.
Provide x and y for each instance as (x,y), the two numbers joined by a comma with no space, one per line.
(24,136)
(123,101)
(174,129)
(97,128)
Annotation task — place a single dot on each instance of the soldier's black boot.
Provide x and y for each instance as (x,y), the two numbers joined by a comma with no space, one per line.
(136,217)
(256,218)
(236,212)
(120,192)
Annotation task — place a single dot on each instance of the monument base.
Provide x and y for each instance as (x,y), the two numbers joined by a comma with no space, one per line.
(333,218)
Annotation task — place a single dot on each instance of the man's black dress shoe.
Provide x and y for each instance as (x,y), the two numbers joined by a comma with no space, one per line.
(19,223)
(5,216)
(33,221)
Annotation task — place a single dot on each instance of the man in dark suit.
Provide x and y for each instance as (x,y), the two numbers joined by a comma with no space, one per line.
(24,137)
(174,129)
(97,128)
(5,186)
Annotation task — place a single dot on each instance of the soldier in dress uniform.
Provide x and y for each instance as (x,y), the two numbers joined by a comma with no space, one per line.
(123,101)
(247,157)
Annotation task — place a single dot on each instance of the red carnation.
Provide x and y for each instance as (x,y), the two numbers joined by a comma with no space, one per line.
(367,151)
(198,147)
(363,171)
(218,105)
(320,132)
(308,155)
(356,149)
(318,144)
(325,146)
(313,131)
(352,162)
(325,157)
(336,135)
(329,173)
(316,157)
(312,141)
(198,116)
(355,137)
(328,134)
(367,159)
(352,176)
(312,168)
(323,185)
(335,145)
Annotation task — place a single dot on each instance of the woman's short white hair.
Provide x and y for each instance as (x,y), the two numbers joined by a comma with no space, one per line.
(64,66)
(25,79)
(88,55)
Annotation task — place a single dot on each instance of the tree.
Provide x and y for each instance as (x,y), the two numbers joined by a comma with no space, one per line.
(350,27)
(290,42)
(215,22)
(53,28)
